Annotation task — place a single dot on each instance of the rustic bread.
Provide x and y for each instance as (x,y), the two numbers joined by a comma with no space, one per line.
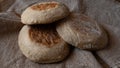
(44,13)
(42,44)
(82,32)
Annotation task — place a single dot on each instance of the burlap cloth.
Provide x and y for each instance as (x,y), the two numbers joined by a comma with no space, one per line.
(105,12)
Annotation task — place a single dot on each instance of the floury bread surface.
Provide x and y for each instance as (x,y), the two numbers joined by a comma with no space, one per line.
(82,32)
(42,44)
(44,13)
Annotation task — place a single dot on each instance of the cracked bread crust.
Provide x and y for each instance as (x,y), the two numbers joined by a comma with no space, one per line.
(44,6)
(44,34)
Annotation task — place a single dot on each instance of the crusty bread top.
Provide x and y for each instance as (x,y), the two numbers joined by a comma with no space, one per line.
(44,34)
(44,6)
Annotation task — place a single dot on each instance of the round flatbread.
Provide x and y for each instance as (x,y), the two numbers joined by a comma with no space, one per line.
(44,13)
(82,32)
(42,44)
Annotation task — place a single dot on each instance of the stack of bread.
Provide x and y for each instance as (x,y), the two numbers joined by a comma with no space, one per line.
(50,28)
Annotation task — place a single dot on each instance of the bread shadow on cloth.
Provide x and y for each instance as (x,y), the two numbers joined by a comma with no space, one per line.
(112,37)
(9,27)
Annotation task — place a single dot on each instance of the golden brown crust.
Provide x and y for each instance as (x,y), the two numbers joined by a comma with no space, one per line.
(44,6)
(44,34)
